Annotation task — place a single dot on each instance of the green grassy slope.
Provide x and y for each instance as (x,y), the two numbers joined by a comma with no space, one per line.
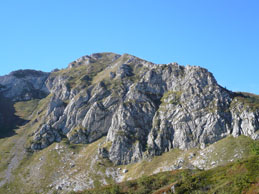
(241,176)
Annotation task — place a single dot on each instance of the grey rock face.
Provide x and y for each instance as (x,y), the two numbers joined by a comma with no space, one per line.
(124,70)
(144,109)
(24,85)
(244,121)
(21,85)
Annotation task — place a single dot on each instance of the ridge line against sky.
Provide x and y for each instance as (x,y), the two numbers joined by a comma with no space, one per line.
(219,35)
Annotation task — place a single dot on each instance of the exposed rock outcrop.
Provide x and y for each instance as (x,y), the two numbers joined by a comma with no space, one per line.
(244,120)
(21,85)
(144,109)
(24,85)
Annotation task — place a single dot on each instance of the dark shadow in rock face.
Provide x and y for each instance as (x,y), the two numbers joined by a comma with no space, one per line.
(8,120)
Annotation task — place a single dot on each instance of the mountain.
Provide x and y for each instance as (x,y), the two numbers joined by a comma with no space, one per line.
(19,86)
(109,117)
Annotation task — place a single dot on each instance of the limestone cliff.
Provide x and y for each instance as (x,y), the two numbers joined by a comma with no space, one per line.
(143,109)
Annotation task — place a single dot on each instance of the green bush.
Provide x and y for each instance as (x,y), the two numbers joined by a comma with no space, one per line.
(255,148)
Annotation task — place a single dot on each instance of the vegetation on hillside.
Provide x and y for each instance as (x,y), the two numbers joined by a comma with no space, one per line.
(236,177)
(248,99)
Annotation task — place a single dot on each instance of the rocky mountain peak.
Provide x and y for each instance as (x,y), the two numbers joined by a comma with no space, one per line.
(76,125)
(106,57)
(143,109)
(23,85)
(26,73)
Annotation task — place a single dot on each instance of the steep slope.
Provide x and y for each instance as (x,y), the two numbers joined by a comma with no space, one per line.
(106,114)
(27,86)
(19,85)
(144,109)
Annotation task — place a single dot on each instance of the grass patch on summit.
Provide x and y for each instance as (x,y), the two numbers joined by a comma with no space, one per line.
(248,99)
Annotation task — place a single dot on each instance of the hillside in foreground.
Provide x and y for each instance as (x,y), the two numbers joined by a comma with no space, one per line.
(236,177)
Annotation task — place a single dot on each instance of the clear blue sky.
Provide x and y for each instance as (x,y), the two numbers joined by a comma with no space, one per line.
(220,35)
